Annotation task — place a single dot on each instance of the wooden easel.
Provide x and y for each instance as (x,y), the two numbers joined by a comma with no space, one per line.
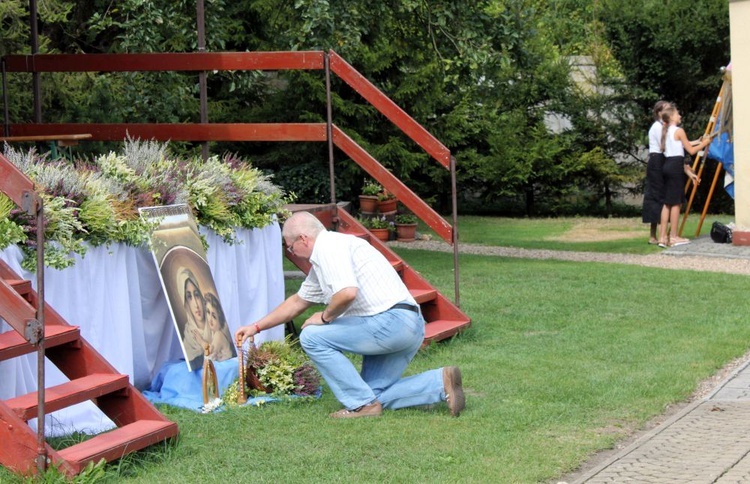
(724,94)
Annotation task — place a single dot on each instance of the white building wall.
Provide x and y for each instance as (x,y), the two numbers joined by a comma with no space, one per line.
(739,19)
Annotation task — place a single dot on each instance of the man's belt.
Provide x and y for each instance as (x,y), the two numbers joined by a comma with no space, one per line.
(405,306)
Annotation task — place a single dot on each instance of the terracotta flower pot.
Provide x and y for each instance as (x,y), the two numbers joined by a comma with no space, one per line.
(382,234)
(387,206)
(406,232)
(368,203)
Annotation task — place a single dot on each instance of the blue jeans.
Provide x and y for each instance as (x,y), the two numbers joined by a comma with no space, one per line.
(387,342)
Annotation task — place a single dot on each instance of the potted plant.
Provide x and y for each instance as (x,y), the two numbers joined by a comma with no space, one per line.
(368,200)
(380,227)
(386,202)
(406,227)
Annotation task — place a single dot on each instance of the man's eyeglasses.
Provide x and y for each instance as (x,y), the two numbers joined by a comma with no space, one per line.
(290,249)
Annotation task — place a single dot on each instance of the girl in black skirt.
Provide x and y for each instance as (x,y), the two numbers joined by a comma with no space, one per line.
(674,143)
(653,195)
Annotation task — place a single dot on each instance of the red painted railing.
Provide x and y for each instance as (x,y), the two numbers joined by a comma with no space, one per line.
(390,110)
(310,60)
(189,61)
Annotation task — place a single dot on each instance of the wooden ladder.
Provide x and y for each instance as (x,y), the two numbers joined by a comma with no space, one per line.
(443,319)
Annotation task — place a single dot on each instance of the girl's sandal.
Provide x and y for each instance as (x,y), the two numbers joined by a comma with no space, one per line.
(675,241)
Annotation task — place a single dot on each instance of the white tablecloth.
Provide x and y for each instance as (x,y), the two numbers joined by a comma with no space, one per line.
(115,296)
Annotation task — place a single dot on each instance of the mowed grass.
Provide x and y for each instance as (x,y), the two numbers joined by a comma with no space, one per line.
(562,359)
(616,235)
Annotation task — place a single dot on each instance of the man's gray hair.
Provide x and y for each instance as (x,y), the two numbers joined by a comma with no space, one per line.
(302,223)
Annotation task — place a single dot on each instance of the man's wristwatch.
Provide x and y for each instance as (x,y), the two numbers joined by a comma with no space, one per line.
(322,319)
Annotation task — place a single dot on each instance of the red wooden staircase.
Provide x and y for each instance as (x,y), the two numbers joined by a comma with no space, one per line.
(443,319)
(139,423)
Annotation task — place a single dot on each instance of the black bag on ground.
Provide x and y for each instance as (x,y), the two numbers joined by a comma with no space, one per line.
(720,233)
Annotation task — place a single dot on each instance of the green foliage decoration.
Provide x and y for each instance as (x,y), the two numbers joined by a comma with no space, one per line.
(281,367)
(406,218)
(371,188)
(10,232)
(376,223)
(94,203)
(63,234)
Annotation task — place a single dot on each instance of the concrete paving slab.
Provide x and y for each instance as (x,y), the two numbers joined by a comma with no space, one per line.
(703,246)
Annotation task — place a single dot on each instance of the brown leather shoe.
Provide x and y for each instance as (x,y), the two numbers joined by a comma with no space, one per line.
(454,392)
(374,409)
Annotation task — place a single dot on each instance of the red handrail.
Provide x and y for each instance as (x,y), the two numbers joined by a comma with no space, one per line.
(187,61)
(15,184)
(182,131)
(393,184)
(204,61)
(390,110)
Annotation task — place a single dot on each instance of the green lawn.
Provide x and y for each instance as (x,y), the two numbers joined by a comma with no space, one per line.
(562,359)
(617,235)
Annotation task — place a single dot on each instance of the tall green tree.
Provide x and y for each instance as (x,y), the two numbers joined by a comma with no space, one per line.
(485,77)
(670,50)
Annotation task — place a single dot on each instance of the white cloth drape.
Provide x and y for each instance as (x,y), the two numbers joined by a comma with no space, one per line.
(114,294)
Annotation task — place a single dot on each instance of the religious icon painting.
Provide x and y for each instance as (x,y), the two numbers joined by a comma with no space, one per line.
(189,286)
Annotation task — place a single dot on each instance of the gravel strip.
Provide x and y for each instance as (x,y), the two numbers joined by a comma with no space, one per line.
(661,260)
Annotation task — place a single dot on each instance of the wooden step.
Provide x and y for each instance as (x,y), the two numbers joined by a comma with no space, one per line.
(67,394)
(441,329)
(116,443)
(423,295)
(13,344)
(21,286)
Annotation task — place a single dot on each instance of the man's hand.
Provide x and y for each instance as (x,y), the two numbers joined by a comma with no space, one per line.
(316,318)
(243,333)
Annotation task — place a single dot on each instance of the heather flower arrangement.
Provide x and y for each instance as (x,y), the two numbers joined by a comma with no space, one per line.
(278,369)
(95,202)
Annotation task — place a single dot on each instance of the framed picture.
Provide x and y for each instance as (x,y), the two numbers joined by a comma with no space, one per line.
(189,285)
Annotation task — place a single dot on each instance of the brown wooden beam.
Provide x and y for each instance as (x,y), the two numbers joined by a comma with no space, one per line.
(180,132)
(15,184)
(389,109)
(187,61)
(393,185)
